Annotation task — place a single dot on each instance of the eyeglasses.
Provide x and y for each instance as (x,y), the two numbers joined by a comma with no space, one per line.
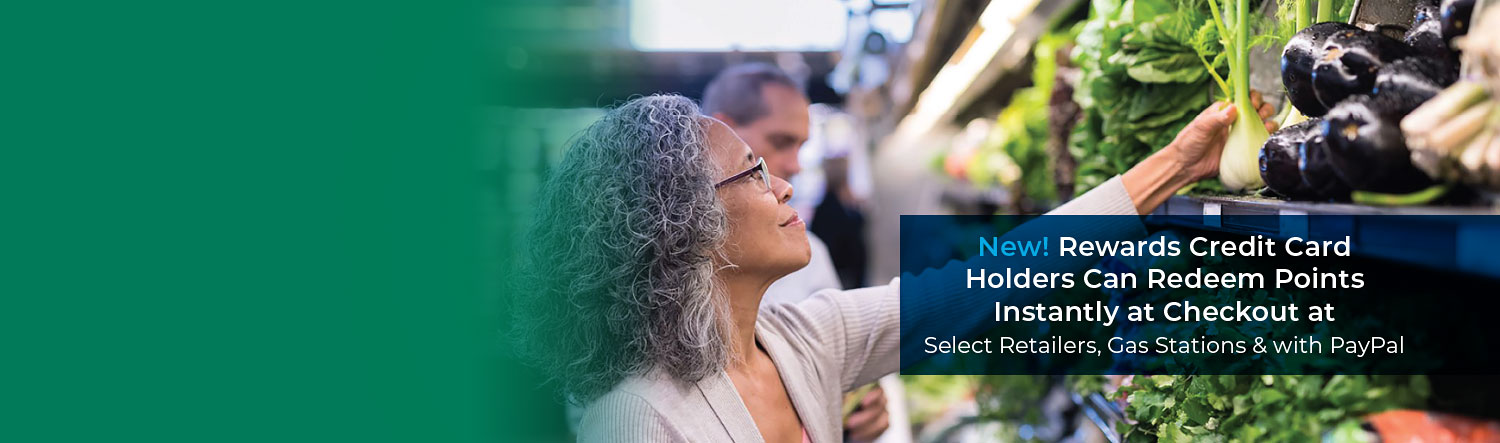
(759,168)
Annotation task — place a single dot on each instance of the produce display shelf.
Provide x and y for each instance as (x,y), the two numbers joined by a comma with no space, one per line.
(1449,243)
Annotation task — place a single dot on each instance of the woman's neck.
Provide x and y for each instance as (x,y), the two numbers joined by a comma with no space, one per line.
(745,293)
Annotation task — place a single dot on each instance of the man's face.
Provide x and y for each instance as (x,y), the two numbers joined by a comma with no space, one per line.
(777,136)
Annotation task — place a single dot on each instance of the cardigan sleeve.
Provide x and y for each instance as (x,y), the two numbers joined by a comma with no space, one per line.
(857,334)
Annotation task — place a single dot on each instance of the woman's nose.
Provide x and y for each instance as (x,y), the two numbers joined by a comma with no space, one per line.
(785,194)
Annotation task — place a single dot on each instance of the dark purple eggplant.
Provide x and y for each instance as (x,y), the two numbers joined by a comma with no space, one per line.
(1350,61)
(1454,16)
(1278,160)
(1317,173)
(1302,51)
(1426,36)
(1366,148)
(1410,81)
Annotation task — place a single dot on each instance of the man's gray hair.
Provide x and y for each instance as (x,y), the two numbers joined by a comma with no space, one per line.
(736,92)
(618,276)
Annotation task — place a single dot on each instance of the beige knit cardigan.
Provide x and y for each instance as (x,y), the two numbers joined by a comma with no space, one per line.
(823,347)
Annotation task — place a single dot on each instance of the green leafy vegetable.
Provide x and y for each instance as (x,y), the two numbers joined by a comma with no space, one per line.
(1260,408)
(1142,80)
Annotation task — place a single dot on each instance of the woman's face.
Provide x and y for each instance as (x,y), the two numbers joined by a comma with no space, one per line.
(765,234)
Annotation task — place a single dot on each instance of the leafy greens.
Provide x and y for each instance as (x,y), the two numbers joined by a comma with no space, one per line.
(1142,81)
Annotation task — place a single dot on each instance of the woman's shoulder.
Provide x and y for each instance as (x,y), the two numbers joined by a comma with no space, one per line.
(640,408)
(652,388)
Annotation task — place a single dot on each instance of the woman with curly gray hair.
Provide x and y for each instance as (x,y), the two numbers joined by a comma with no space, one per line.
(658,234)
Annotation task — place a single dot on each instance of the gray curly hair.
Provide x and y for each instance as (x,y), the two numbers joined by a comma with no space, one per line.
(618,276)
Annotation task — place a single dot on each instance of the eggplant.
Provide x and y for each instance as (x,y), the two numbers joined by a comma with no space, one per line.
(1366,148)
(1278,160)
(1302,51)
(1350,61)
(1317,173)
(1409,82)
(1426,36)
(1454,18)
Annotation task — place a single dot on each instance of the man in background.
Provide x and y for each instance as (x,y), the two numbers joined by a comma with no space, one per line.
(768,109)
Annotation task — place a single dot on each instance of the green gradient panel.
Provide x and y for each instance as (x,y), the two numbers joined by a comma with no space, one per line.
(253,222)
(536,69)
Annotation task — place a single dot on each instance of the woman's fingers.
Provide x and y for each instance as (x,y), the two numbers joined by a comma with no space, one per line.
(873,431)
(875,398)
(871,419)
(1265,110)
(1227,114)
(869,426)
(864,419)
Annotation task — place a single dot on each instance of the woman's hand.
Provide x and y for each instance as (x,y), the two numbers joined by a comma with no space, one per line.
(871,419)
(1197,148)
(1192,156)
